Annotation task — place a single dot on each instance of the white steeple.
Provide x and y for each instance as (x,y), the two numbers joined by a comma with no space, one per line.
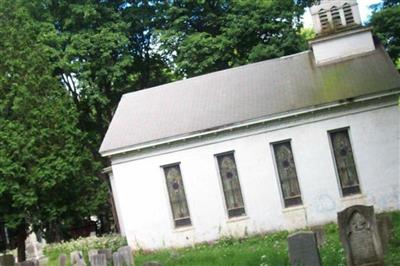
(335,15)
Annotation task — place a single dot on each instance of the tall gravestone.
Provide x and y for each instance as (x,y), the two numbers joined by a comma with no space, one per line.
(77,258)
(360,237)
(303,249)
(62,260)
(107,252)
(7,260)
(117,259)
(99,260)
(91,253)
(126,257)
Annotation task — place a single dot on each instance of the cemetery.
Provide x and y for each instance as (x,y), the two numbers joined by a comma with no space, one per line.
(360,237)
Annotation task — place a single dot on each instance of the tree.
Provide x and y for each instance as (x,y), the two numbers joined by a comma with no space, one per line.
(385,20)
(46,176)
(205,36)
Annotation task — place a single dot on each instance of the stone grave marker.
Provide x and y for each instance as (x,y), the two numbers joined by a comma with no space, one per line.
(303,249)
(62,260)
(77,258)
(26,263)
(107,252)
(7,260)
(385,227)
(91,253)
(117,259)
(359,236)
(126,257)
(99,260)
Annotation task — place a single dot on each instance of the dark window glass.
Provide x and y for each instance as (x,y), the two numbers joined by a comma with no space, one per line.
(177,196)
(345,165)
(287,174)
(231,185)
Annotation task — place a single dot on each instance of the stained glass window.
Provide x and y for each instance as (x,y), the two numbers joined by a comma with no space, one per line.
(287,174)
(231,185)
(345,165)
(177,196)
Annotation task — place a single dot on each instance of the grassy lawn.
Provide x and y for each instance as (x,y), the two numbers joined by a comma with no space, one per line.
(270,249)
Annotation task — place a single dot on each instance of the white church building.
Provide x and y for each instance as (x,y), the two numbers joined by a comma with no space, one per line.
(275,145)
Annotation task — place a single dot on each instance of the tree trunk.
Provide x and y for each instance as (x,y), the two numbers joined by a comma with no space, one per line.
(21,237)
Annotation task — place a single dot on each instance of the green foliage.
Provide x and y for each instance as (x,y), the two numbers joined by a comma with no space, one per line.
(205,36)
(53,251)
(46,175)
(386,25)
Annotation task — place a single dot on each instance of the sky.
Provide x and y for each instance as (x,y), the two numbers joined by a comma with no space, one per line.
(364,11)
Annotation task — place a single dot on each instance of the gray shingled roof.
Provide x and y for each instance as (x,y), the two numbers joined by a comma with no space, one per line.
(244,93)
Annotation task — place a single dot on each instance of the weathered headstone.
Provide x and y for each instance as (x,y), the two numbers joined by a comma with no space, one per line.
(34,250)
(320,234)
(77,259)
(359,236)
(117,259)
(62,260)
(303,249)
(107,252)
(7,260)
(91,253)
(99,260)
(126,256)
(385,227)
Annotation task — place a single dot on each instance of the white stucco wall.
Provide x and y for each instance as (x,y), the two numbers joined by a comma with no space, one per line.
(143,205)
(342,47)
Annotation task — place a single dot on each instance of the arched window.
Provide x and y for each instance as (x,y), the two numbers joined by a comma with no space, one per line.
(348,14)
(323,18)
(336,20)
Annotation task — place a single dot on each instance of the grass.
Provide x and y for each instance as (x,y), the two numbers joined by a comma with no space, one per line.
(263,250)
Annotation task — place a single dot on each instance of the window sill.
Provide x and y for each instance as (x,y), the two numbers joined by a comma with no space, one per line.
(183,229)
(294,208)
(354,199)
(237,219)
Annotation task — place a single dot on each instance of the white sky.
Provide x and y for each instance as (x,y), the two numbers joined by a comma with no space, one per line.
(364,11)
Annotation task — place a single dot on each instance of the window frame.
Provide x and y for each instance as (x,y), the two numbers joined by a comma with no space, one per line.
(278,178)
(338,180)
(171,212)
(224,203)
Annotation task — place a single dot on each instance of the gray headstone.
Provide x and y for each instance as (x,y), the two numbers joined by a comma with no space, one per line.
(385,227)
(77,259)
(62,260)
(303,249)
(320,234)
(91,253)
(7,260)
(152,263)
(359,236)
(99,260)
(126,256)
(107,252)
(117,259)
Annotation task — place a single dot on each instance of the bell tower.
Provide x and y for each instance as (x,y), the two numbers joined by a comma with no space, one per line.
(340,33)
(335,15)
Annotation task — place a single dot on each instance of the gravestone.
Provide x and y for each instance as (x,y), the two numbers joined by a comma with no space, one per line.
(99,260)
(107,252)
(77,258)
(385,227)
(34,250)
(91,253)
(117,259)
(359,236)
(7,260)
(126,257)
(320,234)
(303,249)
(62,260)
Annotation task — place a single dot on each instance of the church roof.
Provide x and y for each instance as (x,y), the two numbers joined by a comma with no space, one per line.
(240,94)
